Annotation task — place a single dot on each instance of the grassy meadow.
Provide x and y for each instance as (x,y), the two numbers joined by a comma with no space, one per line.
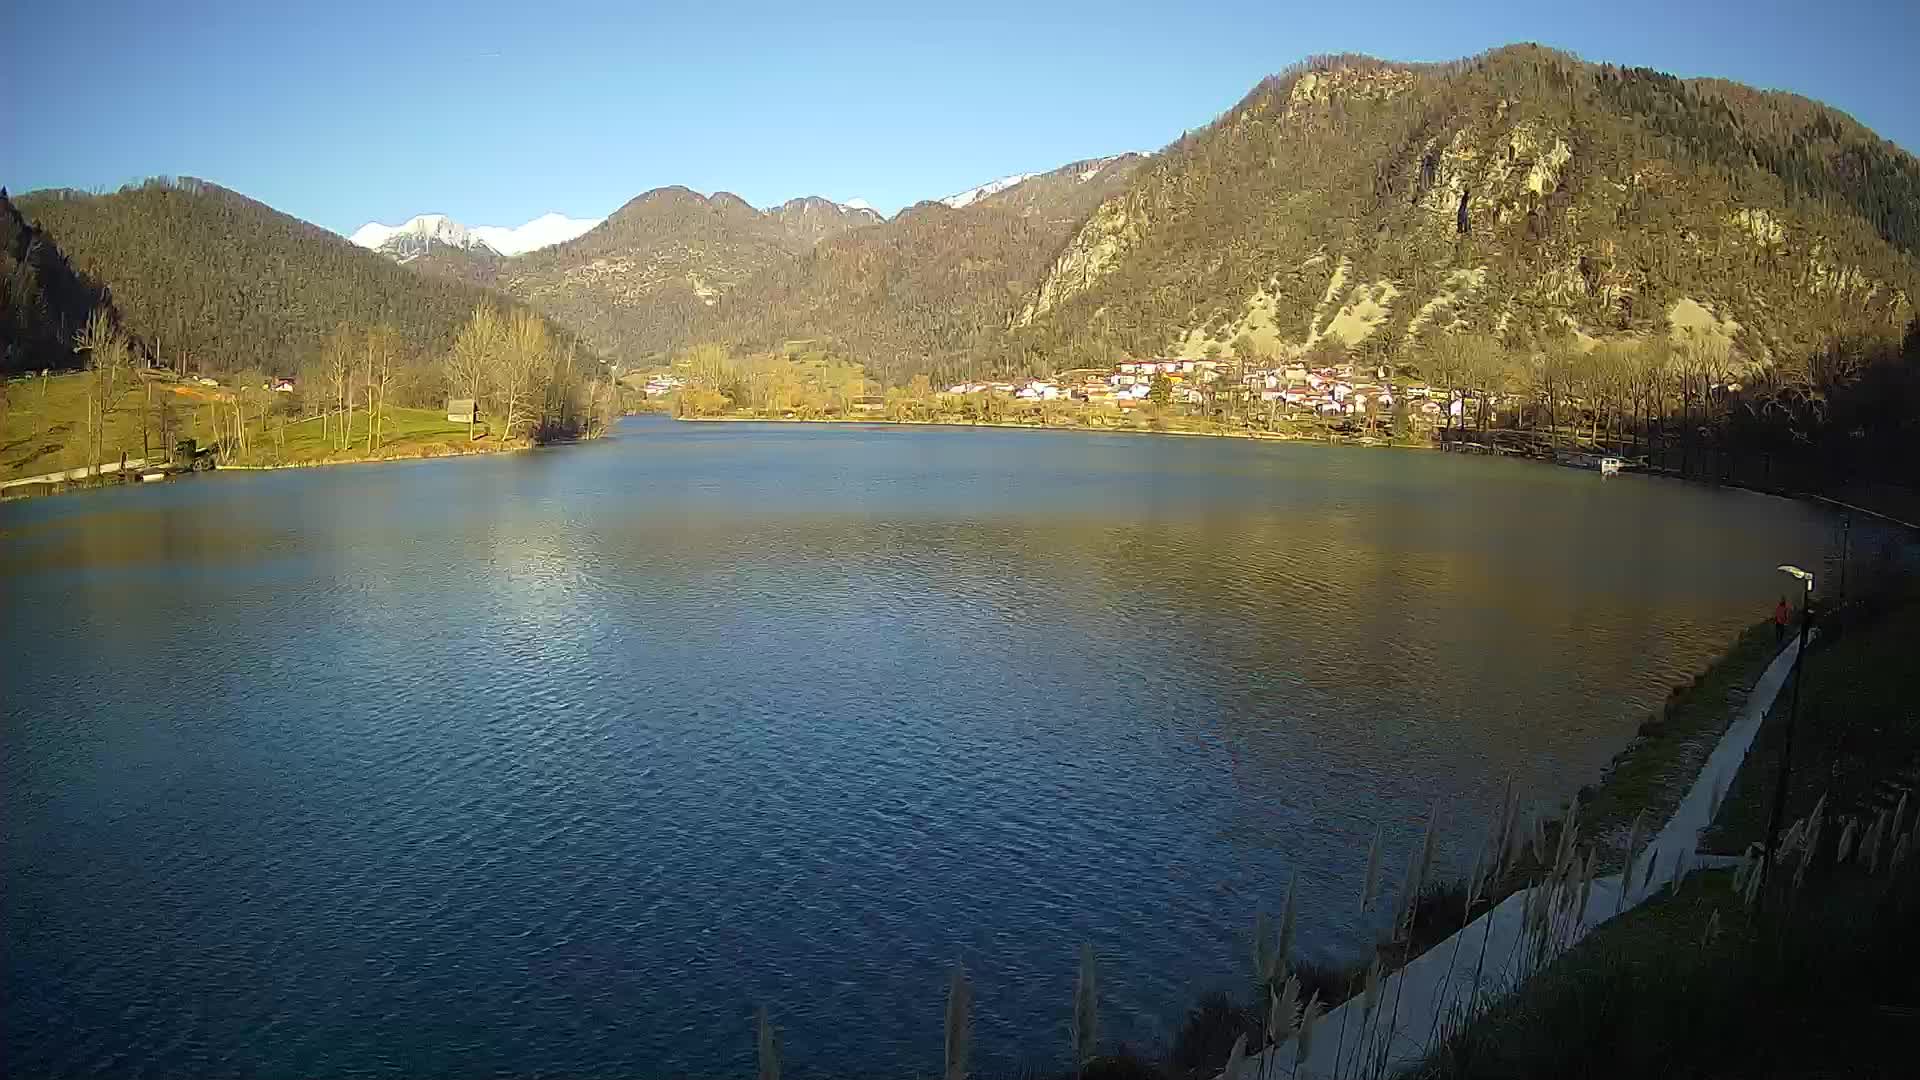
(43,427)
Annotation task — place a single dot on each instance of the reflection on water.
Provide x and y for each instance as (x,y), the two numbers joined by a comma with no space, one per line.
(563,762)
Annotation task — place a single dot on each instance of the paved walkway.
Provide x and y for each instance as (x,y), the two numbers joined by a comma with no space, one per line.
(1439,990)
(79,473)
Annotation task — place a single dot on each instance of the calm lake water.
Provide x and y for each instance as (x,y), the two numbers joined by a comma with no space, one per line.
(560,763)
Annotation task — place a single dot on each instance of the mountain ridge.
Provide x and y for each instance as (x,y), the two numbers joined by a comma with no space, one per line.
(206,277)
(1523,194)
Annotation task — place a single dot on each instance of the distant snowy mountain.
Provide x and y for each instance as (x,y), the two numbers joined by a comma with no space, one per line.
(416,237)
(992,187)
(421,234)
(543,231)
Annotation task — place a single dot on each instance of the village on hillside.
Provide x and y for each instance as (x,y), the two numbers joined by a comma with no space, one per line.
(1291,389)
(1325,391)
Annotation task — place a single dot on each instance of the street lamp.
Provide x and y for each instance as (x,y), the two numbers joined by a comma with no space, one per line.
(1793,714)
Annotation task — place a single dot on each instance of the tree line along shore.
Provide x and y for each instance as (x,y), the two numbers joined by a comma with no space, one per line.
(505,383)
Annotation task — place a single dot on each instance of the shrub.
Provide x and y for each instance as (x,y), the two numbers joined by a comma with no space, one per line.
(1206,1035)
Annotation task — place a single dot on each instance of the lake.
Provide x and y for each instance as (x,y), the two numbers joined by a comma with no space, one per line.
(561,763)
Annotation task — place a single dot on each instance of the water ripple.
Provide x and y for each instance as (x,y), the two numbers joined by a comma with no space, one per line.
(560,764)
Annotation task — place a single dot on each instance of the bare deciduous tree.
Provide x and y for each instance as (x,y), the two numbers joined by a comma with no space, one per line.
(383,352)
(525,357)
(475,353)
(337,358)
(107,354)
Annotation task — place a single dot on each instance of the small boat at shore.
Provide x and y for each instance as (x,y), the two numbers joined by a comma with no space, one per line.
(1604,464)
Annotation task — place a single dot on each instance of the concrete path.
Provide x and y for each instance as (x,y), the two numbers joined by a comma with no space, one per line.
(79,473)
(1459,978)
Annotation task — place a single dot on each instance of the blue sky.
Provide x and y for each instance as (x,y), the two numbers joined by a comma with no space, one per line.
(496,112)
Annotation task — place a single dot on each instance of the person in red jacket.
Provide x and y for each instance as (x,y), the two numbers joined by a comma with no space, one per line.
(1781,613)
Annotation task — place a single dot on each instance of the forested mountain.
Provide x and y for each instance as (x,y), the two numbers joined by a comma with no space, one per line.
(810,220)
(639,281)
(1521,200)
(1523,196)
(1373,209)
(203,275)
(43,299)
(478,265)
(927,292)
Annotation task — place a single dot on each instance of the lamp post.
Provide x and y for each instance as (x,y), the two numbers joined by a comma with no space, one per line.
(1793,714)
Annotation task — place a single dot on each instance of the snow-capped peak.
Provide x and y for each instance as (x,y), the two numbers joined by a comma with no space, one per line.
(858,204)
(544,231)
(993,187)
(419,234)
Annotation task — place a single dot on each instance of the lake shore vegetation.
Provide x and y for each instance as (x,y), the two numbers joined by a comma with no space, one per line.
(364,395)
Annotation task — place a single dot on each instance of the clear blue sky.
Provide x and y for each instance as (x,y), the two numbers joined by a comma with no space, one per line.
(495,112)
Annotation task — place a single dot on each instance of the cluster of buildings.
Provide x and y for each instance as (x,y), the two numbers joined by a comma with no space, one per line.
(1325,391)
(662,385)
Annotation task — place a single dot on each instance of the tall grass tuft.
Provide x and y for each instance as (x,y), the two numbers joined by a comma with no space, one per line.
(1086,1015)
(1370,995)
(1236,1059)
(768,1046)
(1373,869)
(1476,878)
(1426,845)
(1263,958)
(1569,832)
(1846,842)
(1303,1046)
(1288,915)
(959,1025)
(1283,1009)
(1517,837)
(1509,814)
(1749,884)
(1870,844)
(1900,850)
(1635,837)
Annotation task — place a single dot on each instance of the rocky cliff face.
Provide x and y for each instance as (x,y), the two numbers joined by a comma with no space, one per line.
(1522,194)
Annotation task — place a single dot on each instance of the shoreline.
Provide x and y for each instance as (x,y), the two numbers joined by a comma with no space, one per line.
(1251,436)
(1441,1002)
(68,487)
(378,460)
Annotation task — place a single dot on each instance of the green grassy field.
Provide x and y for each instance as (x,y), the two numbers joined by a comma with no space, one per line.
(1693,984)
(43,428)
(404,432)
(1858,732)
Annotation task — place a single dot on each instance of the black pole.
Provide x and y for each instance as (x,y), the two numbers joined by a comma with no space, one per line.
(1786,747)
(1846,539)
